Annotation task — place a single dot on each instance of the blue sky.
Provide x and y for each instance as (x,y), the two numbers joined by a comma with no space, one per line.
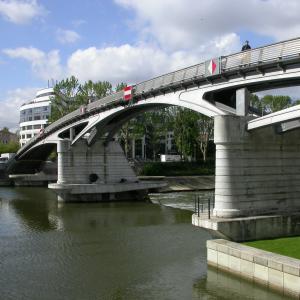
(124,40)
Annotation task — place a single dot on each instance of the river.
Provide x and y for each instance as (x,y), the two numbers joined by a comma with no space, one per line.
(129,250)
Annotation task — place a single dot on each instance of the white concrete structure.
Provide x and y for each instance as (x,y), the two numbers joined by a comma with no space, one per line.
(256,172)
(96,173)
(275,271)
(34,115)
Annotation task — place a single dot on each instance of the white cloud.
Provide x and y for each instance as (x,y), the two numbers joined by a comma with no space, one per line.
(9,112)
(115,64)
(184,24)
(44,65)
(67,36)
(21,11)
(135,63)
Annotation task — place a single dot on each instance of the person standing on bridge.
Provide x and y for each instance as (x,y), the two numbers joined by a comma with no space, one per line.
(246,57)
(246,46)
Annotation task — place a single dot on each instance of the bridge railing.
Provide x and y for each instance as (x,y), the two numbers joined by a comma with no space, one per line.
(275,52)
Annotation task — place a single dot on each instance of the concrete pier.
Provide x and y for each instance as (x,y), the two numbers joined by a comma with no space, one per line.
(258,172)
(97,173)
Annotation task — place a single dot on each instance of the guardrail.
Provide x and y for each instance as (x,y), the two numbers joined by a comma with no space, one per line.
(275,52)
(204,207)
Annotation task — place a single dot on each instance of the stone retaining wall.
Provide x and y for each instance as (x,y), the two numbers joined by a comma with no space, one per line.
(276,271)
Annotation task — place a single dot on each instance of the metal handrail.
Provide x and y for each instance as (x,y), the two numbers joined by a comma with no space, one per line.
(204,206)
(275,52)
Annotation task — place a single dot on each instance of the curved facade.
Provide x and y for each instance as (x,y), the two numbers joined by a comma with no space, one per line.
(34,115)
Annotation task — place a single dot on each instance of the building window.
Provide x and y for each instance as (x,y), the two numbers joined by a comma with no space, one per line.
(29,136)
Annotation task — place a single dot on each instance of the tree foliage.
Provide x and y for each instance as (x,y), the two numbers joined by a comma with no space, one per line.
(270,103)
(70,95)
(11,147)
(205,133)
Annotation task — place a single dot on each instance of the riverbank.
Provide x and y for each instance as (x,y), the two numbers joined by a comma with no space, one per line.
(288,246)
(272,270)
(183,183)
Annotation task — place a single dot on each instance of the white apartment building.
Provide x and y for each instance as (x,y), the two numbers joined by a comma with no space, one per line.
(34,115)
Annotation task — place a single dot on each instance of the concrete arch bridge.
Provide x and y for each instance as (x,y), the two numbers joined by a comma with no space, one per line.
(257,157)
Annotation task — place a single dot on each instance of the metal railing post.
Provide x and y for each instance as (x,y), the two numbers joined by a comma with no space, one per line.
(209,207)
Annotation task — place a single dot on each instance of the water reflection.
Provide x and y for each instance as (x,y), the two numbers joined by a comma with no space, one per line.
(105,251)
(32,206)
(222,285)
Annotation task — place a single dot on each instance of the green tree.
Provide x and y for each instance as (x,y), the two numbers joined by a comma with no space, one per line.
(257,103)
(120,86)
(186,131)
(66,98)
(205,133)
(11,147)
(91,91)
(155,128)
(70,95)
(275,103)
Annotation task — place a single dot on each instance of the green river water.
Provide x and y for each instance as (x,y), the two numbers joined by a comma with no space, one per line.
(129,250)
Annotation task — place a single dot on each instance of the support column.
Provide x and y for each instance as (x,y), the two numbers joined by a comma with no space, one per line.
(62,149)
(143,147)
(133,148)
(257,172)
(242,102)
(72,134)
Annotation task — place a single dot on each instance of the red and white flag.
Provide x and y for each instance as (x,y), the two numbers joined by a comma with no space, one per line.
(127,93)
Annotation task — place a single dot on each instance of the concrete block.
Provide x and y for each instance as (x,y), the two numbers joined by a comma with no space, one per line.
(261,272)
(222,248)
(276,265)
(234,264)
(235,252)
(291,283)
(212,256)
(247,268)
(275,278)
(263,261)
(247,256)
(223,260)
(291,269)
(211,244)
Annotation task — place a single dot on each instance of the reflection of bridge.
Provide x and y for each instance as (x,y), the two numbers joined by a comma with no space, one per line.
(257,167)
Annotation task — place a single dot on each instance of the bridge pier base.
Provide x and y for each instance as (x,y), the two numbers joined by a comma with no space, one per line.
(97,173)
(257,190)
(257,172)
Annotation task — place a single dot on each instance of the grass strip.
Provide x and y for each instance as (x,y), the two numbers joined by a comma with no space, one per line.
(286,246)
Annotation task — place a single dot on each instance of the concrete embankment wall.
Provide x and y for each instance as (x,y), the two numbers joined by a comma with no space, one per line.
(276,271)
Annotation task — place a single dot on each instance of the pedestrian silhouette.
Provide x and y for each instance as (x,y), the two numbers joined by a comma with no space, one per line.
(246,46)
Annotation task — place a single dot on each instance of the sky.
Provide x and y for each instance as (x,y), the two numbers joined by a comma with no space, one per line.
(125,40)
